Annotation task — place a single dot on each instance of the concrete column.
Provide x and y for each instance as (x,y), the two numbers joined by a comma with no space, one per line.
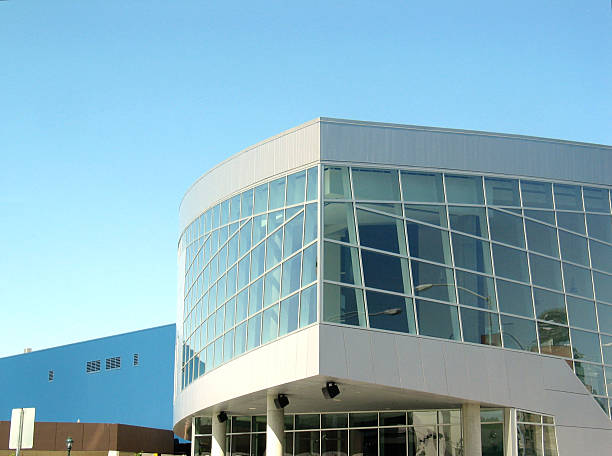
(470,417)
(218,437)
(275,429)
(510,437)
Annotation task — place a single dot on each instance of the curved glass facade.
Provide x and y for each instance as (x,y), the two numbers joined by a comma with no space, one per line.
(516,263)
(250,271)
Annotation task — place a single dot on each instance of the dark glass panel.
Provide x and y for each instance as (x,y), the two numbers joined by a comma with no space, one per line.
(296,185)
(471,253)
(471,220)
(476,290)
(334,442)
(568,197)
(307,421)
(392,418)
(600,227)
(339,222)
(519,333)
(492,438)
(258,444)
(510,263)
(592,377)
(341,263)
(241,444)
(586,346)
(428,213)
(596,199)
(545,272)
(422,187)
(601,256)
(550,306)
(502,192)
(392,441)
(391,312)
(581,313)
(536,194)
(506,228)
(307,443)
(464,189)
(606,348)
(604,316)
(603,287)
(376,184)
(571,221)
(577,281)
(381,232)
(428,243)
(343,305)
(389,208)
(363,442)
(334,420)
(385,272)
(336,184)
(514,298)
(573,248)
(480,327)
(203,446)
(544,216)
(363,419)
(438,320)
(554,340)
(431,281)
(542,238)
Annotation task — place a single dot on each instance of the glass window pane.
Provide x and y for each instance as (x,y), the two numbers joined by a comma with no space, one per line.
(341,263)
(232,250)
(492,439)
(273,249)
(375,184)
(573,248)
(254,332)
(476,290)
(339,223)
(545,272)
(464,189)
(334,442)
(536,194)
(292,241)
(336,184)
(392,418)
(388,208)
(549,306)
(310,225)
(259,228)
(510,263)
(603,286)
(228,346)
(586,346)
(308,306)
(235,208)
(255,296)
(428,243)
(542,238)
(313,178)
(307,443)
(572,221)
(363,419)
(519,333)
(506,228)
(431,281)
(600,227)
(309,265)
(343,305)
(596,199)
(436,215)
(218,351)
(381,232)
(601,256)
(606,348)
(242,303)
(391,312)
(438,320)
(219,321)
(224,212)
(480,327)
(277,193)
(471,220)
(275,219)
(288,315)
(385,272)
(530,440)
(245,238)
(244,267)
(296,185)
(247,203)
(577,280)
(581,313)
(592,377)
(604,315)
(422,187)
(230,313)
(502,192)
(272,286)
(554,340)
(270,324)
(471,253)
(334,420)
(291,275)
(544,216)
(258,260)
(568,197)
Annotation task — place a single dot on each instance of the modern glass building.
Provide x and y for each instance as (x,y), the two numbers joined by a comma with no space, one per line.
(357,288)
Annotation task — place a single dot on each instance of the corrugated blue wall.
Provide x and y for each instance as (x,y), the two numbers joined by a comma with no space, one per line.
(137,395)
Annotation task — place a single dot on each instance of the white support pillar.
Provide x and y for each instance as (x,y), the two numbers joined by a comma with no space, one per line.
(218,437)
(510,437)
(470,417)
(275,429)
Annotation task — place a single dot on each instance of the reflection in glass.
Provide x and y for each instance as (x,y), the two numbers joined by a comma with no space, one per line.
(428,213)
(471,220)
(261,199)
(392,441)
(258,260)
(596,199)
(385,272)
(228,346)
(334,442)
(542,238)
(247,204)
(471,253)
(244,267)
(438,320)
(391,312)
(428,243)
(571,220)
(592,377)
(296,184)
(240,339)
(339,223)
(573,248)
(603,286)
(341,263)
(586,346)
(604,316)
(336,184)
(375,184)
(291,275)
(275,219)
(343,305)
(519,333)
(568,197)
(381,232)
(606,348)
(529,440)
(464,189)
(476,290)
(272,286)
(309,265)
(310,224)
(506,228)
(313,180)
(431,281)
(510,263)
(308,306)
(292,241)
(549,306)
(254,332)
(554,339)
(502,192)
(480,327)
(422,187)
(259,228)
(601,256)
(581,313)
(545,272)
(255,296)
(536,194)
(600,227)
(242,303)
(235,208)
(363,442)
(277,193)
(288,315)
(388,208)
(577,280)
(273,249)
(543,216)
(270,324)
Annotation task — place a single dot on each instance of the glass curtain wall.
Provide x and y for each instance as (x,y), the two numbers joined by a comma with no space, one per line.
(515,263)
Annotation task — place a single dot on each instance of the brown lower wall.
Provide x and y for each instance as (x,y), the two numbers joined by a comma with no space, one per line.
(92,438)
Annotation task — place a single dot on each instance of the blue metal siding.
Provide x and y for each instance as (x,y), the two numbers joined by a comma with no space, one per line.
(137,395)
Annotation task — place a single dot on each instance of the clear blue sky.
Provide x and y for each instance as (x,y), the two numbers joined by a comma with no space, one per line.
(110,109)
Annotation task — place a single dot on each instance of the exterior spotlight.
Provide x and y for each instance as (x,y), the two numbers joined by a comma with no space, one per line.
(330,390)
(69,442)
(281,401)
(222,417)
